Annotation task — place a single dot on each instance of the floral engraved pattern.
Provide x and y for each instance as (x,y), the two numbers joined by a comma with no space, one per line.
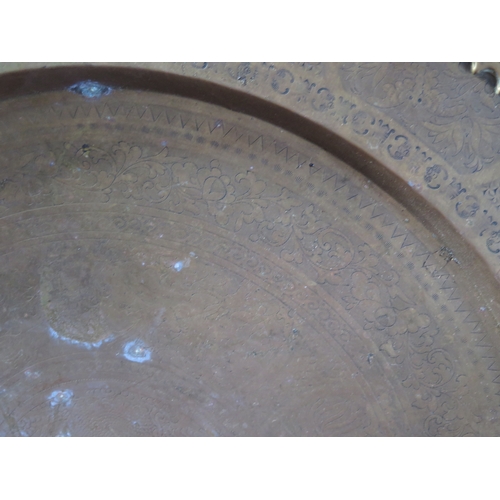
(125,169)
(405,334)
(323,100)
(467,208)
(284,225)
(493,242)
(243,73)
(435,176)
(307,237)
(233,202)
(444,106)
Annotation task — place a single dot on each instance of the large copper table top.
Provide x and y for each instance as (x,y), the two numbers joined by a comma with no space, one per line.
(205,261)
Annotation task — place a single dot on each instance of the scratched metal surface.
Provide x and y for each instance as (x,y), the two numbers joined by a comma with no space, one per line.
(169,267)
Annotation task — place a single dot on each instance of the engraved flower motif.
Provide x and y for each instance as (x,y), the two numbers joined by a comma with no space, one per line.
(441,104)
(203,189)
(394,321)
(393,85)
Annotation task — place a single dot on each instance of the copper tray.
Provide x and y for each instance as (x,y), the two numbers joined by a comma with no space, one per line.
(182,258)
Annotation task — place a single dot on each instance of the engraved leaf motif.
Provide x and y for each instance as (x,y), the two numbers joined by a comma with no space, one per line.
(214,189)
(272,233)
(437,102)
(123,152)
(440,133)
(250,212)
(442,368)
(252,187)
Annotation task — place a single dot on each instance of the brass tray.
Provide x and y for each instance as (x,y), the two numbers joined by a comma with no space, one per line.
(179,257)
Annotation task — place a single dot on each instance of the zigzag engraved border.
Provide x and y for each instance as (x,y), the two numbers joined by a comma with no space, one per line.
(236,134)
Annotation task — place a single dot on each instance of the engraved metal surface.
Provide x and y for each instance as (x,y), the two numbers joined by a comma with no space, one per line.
(169,267)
